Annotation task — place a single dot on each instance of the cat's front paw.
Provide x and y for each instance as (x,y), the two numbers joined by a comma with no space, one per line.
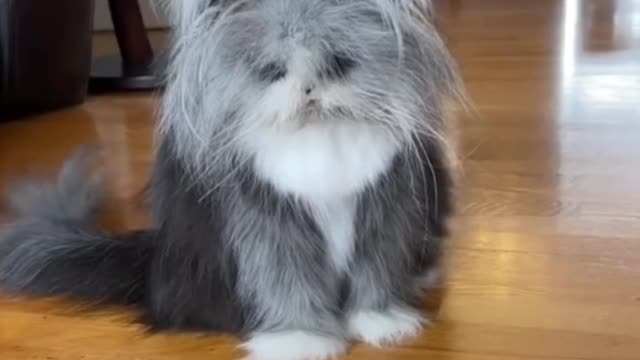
(293,345)
(387,327)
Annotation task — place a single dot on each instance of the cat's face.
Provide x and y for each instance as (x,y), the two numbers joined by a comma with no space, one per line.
(311,62)
(291,63)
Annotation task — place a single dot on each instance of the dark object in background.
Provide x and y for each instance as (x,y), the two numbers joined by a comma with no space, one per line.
(135,68)
(45,54)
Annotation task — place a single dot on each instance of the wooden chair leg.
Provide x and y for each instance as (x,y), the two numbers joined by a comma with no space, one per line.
(135,68)
(128,24)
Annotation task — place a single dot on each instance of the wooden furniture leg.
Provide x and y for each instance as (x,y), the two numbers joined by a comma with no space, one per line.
(136,68)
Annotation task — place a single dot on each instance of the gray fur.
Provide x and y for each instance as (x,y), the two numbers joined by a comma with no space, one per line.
(272,250)
(54,248)
(404,76)
(76,194)
(230,252)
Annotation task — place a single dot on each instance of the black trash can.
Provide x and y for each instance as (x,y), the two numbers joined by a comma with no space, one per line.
(45,54)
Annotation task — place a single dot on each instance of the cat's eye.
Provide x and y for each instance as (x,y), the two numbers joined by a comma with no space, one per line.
(272,72)
(338,66)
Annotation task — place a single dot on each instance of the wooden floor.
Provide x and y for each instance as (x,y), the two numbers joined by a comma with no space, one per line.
(545,260)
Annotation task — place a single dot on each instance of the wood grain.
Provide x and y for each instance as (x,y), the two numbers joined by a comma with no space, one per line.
(545,258)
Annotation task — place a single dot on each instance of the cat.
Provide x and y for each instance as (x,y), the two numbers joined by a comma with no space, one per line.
(301,184)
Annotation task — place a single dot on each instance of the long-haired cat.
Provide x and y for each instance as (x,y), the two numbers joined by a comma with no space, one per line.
(300,190)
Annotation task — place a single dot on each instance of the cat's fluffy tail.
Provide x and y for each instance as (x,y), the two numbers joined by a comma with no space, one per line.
(54,248)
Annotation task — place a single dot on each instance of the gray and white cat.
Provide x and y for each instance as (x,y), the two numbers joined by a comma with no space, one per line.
(301,185)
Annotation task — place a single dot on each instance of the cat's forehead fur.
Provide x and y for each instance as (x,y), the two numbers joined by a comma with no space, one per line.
(282,29)
(259,32)
(305,17)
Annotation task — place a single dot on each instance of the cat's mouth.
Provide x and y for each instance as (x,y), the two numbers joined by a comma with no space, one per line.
(315,113)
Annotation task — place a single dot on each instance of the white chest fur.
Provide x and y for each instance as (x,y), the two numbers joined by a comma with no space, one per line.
(326,166)
(336,220)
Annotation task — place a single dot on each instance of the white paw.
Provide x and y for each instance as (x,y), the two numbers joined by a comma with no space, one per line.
(388,327)
(293,345)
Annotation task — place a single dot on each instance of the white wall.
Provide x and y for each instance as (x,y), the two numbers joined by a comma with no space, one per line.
(152,17)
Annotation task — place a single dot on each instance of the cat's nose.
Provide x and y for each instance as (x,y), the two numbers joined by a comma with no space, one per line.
(308,90)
